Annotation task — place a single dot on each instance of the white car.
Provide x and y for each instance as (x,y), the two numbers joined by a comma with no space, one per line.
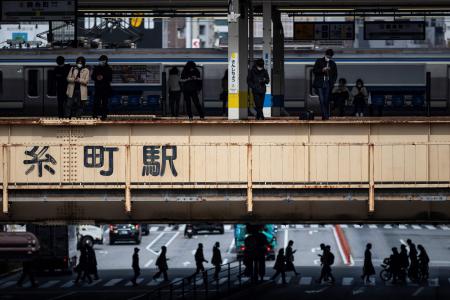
(90,234)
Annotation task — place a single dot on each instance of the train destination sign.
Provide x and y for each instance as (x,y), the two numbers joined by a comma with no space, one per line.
(394,30)
(307,31)
(43,10)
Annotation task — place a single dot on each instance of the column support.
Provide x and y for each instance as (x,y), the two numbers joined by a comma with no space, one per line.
(278,65)
(267,54)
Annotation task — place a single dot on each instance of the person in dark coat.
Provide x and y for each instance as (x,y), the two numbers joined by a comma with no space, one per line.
(413,266)
(327,260)
(82,268)
(280,266)
(191,85)
(325,75)
(224,94)
(161,263)
(92,261)
(27,270)
(102,76)
(423,262)
(290,258)
(404,262)
(199,260)
(61,71)
(257,80)
(135,266)
(368,269)
(216,260)
(394,264)
(260,255)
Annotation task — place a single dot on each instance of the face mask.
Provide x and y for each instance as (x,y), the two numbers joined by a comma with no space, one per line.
(259,68)
(79,66)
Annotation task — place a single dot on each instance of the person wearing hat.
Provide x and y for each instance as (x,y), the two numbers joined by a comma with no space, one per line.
(135,266)
(77,90)
(102,76)
(325,75)
(61,71)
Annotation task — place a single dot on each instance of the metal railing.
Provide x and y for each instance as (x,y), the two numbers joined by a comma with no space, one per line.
(202,286)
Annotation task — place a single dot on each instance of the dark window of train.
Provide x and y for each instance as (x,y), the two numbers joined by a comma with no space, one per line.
(51,83)
(33,80)
(1,82)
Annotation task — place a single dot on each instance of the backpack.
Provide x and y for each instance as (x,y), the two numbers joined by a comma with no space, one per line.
(331,258)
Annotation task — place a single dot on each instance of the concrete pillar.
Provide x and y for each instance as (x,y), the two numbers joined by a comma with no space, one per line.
(278,66)
(237,59)
(267,54)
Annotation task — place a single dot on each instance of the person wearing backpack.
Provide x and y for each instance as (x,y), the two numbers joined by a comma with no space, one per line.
(191,85)
(327,261)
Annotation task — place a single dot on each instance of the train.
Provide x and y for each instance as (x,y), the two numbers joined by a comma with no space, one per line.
(395,77)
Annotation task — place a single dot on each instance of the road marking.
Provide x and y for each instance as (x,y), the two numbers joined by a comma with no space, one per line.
(358,291)
(153,242)
(7,284)
(328,226)
(286,237)
(199,282)
(154,228)
(417,227)
(387,226)
(193,251)
(138,281)
(433,282)
(62,296)
(316,261)
(299,226)
(148,263)
(314,226)
(357,226)
(186,263)
(225,261)
(417,292)
(222,280)
(137,297)
(347,281)
(168,228)
(341,250)
(317,291)
(172,238)
(315,249)
(430,227)
(227,227)
(154,282)
(113,282)
(49,284)
(445,227)
(401,226)
(68,284)
(177,280)
(305,281)
(94,282)
(344,225)
(373,226)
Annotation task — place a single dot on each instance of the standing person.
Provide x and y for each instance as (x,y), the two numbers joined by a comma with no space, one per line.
(224,94)
(368,269)
(423,262)
(77,90)
(341,96)
(404,262)
(102,76)
(199,259)
(290,258)
(325,75)
(174,91)
(280,266)
(216,260)
(414,265)
(360,97)
(191,85)
(394,263)
(83,267)
(135,266)
(329,262)
(161,263)
(92,261)
(61,71)
(257,80)
(260,255)
(27,270)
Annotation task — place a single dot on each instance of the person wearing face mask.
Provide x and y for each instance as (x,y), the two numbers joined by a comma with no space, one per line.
(102,76)
(257,80)
(360,96)
(325,75)
(77,90)
(61,71)
(191,86)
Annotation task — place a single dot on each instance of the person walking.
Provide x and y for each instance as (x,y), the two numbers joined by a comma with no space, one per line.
(423,262)
(325,75)
(174,91)
(92,261)
(280,266)
(82,268)
(27,271)
(257,80)
(260,255)
(404,263)
(368,269)
(191,85)
(161,263)
(216,260)
(414,265)
(102,76)
(199,259)
(135,266)
(61,72)
(290,258)
(327,260)
(394,263)
(77,91)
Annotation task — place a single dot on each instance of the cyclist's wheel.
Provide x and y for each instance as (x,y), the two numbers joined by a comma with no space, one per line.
(385,275)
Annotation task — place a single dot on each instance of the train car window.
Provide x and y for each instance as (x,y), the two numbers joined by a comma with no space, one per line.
(33,81)
(1,82)
(51,83)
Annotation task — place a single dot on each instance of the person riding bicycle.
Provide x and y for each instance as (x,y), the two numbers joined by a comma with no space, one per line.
(424,260)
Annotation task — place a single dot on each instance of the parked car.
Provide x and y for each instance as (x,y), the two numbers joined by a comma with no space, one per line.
(90,234)
(193,229)
(125,232)
(145,229)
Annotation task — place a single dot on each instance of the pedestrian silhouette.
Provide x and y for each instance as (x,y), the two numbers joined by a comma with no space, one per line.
(414,265)
(199,259)
(92,261)
(82,268)
(161,263)
(280,266)
(404,263)
(259,267)
(327,260)
(216,260)
(249,254)
(290,258)
(135,266)
(27,270)
(394,263)
(368,269)
(423,262)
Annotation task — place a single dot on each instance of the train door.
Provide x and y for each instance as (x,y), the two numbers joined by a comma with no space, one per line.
(182,107)
(40,92)
(311,98)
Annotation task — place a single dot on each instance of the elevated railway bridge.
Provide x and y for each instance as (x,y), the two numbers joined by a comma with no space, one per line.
(281,170)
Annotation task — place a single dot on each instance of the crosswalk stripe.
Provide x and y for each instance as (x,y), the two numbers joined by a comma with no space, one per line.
(347,281)
(357,226)
(387,226)
(430,227)
(138,281)
(68,284)
(445,227)
(299,226)
(305,281)
(199,282)
(328,226)
(344,226)
(416,227)
(401,226)
(154,282)
(113,282)
(94,282)
(227,227)
(181,227)
(7,284)
(222,280)
(154,228)
(168,228)
(373,226)
(48,284)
